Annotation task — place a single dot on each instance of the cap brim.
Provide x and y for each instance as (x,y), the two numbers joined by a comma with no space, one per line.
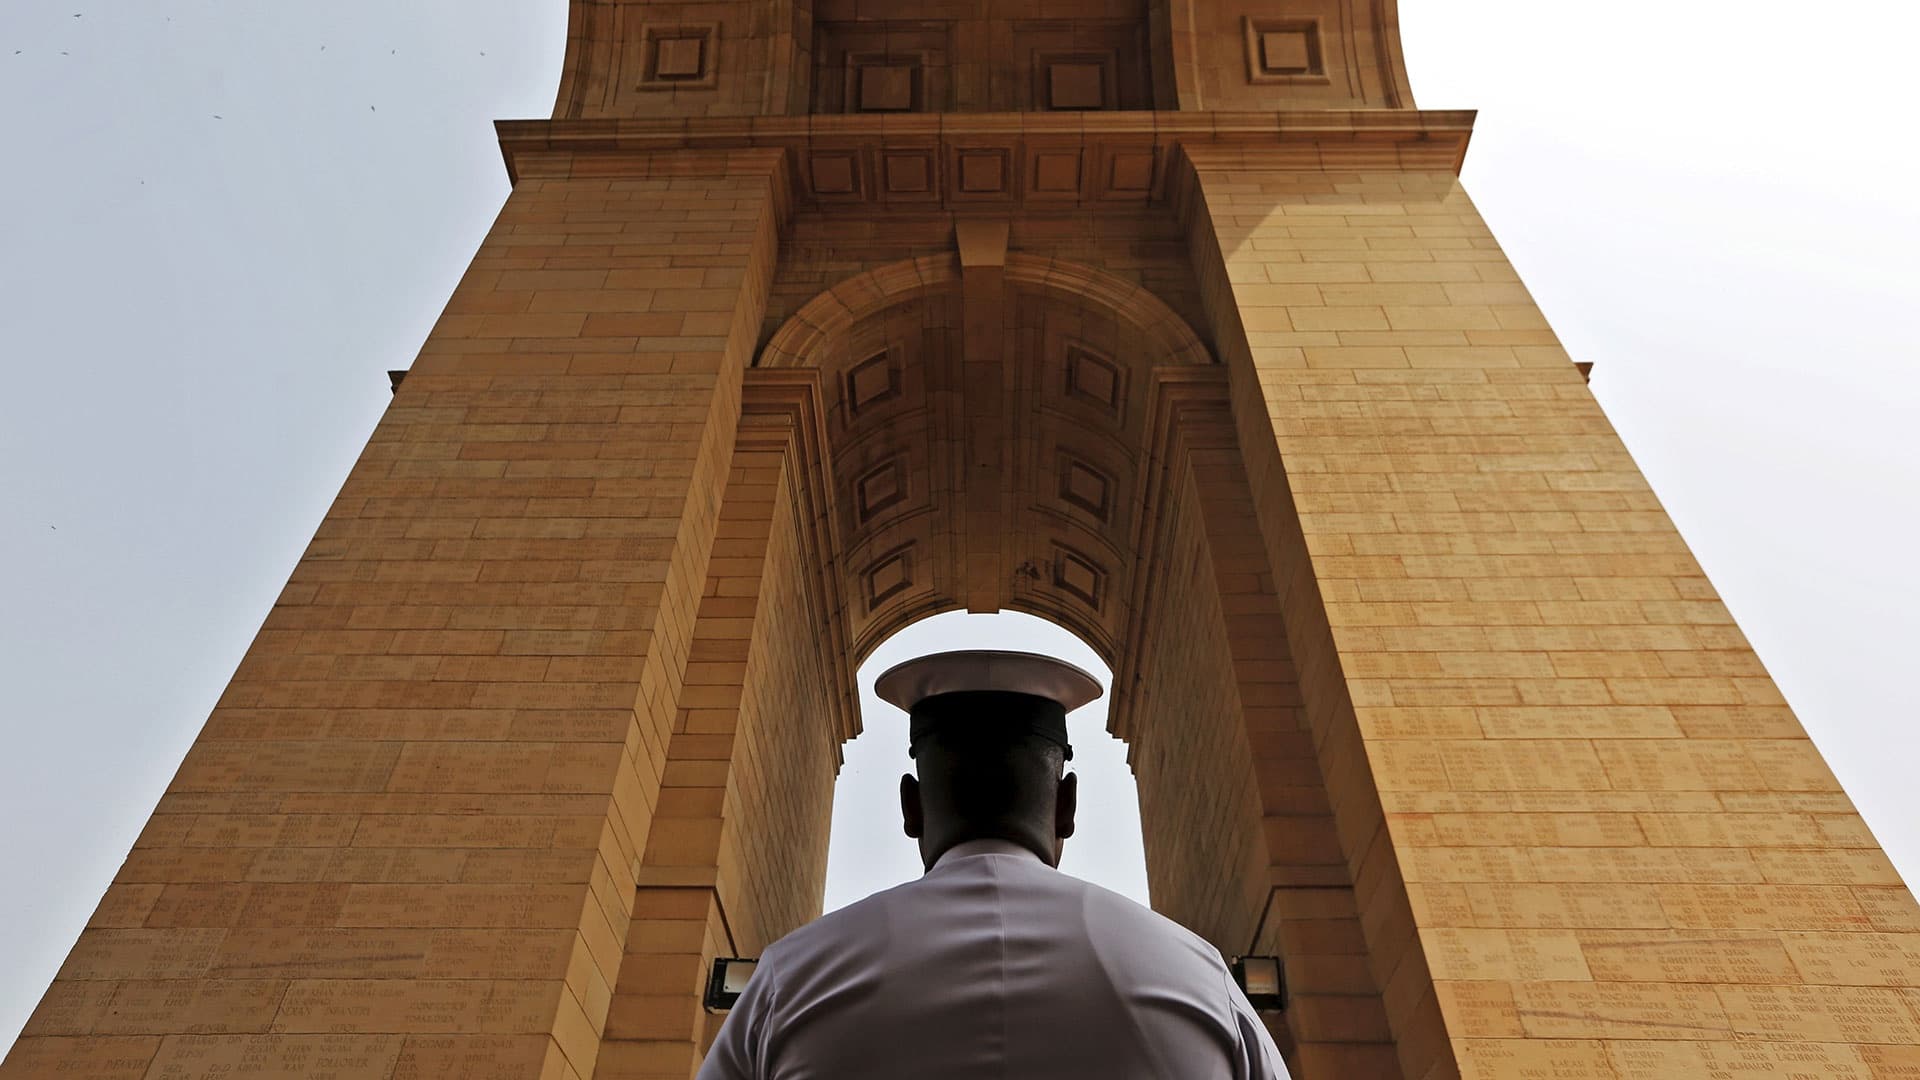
(905,685)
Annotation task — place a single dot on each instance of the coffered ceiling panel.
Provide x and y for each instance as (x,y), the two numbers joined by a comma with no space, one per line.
(986,436)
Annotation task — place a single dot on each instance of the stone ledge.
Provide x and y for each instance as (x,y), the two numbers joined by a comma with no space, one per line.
(989,160)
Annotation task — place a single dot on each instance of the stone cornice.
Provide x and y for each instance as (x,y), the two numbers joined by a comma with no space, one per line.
(991,160)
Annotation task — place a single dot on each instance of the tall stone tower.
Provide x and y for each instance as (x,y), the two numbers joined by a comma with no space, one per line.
(1166,320)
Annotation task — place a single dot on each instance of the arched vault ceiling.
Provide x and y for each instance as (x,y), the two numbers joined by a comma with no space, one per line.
(986,437)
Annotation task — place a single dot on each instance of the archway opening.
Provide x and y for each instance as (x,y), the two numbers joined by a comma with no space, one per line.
(866,849)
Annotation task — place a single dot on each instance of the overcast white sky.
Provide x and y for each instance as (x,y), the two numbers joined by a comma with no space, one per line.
(222,222)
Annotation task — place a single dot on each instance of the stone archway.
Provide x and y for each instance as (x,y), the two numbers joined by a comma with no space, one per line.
(549,710)
(1011,433)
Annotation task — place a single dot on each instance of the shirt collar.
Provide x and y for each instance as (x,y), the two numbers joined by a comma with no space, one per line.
(989,846)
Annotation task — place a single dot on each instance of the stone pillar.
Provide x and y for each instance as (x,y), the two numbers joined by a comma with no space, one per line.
(405,843)
(1582,821)
(737,855)
(1232,788)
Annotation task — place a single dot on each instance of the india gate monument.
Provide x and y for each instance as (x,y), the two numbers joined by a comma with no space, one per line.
(1167,321)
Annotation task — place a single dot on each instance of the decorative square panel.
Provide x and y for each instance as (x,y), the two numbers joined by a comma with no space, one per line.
(881,65)
(1054,172)
(907,172)
(1077,83)
(885,84)
(982,171)
(1095,379)
(1286,52)
(679,55)
(879,489)
(1077,61)
(1283,50)
(887,576)
(1130,172)
(872,381)
(679,58)
(834,172)
(1078,575)
(1085,486)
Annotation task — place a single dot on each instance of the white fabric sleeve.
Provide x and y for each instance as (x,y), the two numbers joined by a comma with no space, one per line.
(1259,1058)
(739,1051)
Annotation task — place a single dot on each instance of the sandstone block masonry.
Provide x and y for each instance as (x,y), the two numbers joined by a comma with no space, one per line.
(1167,322)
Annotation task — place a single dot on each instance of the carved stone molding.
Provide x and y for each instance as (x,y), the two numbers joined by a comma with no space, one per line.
(678,55)
(1184,405)
(1284,50)
(997,160)
(783,409)
(832,313)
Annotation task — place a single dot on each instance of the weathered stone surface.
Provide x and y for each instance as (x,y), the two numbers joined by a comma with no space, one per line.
(1422,688)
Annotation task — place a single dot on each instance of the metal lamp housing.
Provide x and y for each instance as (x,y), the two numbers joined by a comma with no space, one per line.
(727,982)
(1263,979)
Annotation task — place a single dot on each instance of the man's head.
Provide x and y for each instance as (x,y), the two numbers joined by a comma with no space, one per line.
(988,731)
(989,782)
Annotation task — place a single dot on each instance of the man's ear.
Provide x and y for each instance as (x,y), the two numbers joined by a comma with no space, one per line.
(1065,802)
(912,819)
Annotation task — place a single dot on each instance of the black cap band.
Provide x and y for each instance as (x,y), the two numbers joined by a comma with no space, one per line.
(989,712)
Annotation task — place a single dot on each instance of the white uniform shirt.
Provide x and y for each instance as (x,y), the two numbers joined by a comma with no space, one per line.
(992,965)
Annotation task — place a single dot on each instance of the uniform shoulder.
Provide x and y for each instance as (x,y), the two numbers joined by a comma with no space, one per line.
(1122,913)
(835,931)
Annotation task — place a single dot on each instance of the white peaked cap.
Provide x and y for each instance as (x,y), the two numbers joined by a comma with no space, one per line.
(905,685)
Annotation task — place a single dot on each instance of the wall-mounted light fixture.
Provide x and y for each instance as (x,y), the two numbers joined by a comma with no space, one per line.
(727,982)
(1264,979)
